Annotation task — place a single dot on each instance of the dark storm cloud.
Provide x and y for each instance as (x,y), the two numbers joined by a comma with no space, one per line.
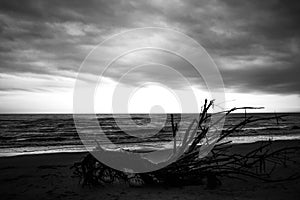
(272,79)
(244,32)
(272,30)
(255,43)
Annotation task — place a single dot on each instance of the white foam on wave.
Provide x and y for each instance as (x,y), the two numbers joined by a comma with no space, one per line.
(133,147)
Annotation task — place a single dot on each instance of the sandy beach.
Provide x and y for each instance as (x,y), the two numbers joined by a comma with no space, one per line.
(143,84)
(49,176)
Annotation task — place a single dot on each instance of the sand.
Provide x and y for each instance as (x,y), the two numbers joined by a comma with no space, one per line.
(48,177)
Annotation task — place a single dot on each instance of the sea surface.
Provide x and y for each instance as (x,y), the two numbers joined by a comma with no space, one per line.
(48,133)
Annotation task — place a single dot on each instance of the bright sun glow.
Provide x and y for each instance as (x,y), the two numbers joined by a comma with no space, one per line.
(154,98)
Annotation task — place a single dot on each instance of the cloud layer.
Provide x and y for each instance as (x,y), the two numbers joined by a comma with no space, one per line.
(254,43)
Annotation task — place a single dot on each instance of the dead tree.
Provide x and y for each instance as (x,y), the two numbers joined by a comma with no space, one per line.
(259,163)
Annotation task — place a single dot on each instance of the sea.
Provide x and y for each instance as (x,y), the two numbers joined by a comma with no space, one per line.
(22,134)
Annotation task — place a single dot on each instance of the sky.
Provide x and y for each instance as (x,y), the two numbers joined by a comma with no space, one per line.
(255,45)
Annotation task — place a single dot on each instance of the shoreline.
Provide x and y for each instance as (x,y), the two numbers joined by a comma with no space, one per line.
(236,140)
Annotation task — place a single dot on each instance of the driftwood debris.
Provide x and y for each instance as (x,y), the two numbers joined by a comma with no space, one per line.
(259,163)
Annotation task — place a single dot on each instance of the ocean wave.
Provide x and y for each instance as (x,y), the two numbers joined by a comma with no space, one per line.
(55,131)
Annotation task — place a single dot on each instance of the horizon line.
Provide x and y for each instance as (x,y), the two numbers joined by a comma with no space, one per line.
(69,113)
